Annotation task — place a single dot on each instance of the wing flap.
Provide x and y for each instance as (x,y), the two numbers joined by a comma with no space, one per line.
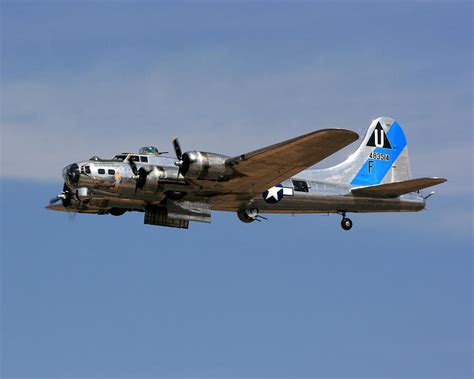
(397,188)
(261,169)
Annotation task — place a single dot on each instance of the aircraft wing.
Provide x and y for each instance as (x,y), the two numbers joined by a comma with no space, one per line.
(397,188)
(261,169)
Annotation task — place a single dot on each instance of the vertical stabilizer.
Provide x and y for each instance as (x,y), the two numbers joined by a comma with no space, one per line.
(381,158)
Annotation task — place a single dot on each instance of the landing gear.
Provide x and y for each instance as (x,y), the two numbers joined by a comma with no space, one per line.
(346,223)
(117,211)
(249,215)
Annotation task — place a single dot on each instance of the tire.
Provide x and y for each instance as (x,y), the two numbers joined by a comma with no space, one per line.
(346,223)
(117,211)
(244,217)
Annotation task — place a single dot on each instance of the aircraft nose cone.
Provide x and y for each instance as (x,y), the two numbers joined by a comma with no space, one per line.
(71,173)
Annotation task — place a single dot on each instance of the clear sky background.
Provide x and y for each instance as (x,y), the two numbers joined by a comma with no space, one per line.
(100,296)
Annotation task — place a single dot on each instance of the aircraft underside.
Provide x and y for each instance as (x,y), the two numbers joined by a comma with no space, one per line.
(178,213)
(308,204)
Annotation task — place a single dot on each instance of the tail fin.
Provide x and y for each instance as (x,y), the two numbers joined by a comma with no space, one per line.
(381,158)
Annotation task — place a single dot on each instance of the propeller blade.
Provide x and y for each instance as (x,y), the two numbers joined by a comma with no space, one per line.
(54,200)
(142,176)
(63,196)
(132,164)
(177,148)
(72,216)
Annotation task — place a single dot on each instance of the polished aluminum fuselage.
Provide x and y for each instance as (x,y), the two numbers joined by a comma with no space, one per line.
(97,193)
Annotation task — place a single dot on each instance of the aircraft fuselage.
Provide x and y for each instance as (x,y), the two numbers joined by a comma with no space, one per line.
(105,184)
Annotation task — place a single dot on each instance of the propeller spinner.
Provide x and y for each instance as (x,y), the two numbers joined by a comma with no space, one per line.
(64,197)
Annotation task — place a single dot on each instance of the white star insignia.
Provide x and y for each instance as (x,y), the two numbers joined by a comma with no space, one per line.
(273,192)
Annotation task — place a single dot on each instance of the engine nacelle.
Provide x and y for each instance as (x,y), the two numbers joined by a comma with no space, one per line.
(247,215)
(205,166)
(149,180)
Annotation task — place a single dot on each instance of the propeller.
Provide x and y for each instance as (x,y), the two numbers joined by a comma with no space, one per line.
(184,160)
(142,176)
(179,155)
(177,148)
(141,173)
(132,164)
(64,196)
(54,200)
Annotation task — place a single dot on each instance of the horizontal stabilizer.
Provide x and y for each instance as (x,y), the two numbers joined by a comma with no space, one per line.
(396,188)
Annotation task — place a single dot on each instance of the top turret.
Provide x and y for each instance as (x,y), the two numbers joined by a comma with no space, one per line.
(149,150)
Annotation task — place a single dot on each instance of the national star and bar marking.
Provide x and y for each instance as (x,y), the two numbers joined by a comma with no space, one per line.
(276,193)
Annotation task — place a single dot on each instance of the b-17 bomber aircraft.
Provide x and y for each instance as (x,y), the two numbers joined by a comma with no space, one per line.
(276,179)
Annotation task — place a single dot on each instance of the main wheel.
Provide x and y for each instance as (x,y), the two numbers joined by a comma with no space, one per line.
(117,211)
(346,223)
(247,215)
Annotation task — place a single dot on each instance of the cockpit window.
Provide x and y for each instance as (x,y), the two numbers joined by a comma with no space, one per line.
(135,158)
(88,169)
(144,159)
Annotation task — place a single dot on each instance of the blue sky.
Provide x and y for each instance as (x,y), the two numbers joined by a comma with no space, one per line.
(291,297)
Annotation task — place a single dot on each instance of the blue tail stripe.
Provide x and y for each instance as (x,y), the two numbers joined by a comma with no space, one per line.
(374,175)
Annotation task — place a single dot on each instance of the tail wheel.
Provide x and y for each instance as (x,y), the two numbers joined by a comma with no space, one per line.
(346,223)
